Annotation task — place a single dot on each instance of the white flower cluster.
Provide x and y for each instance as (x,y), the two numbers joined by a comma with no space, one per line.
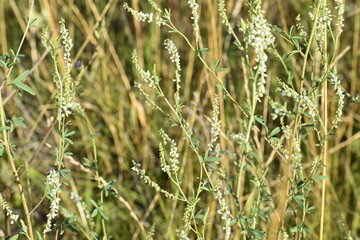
(165,167)
(181,234)
(244,146)
(300,26)
(189,210)
(174,155)
(66,95)
(53,182)
(335,81)
(154,6)
(9,212)
(325,16)
(339,5)
(322,25)
(195,17)
(140,172)
(306,102)
(224,210)
(296,155)
(279,111)
(223,15)
(68,45)
(287,131)
(145,17)
(259,36)
(174,57)
(215,123)
(147,76)
(314,165)
(75,197)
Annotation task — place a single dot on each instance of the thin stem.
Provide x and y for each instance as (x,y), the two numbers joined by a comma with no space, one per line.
(6,141)
(325,109)
(11,160)
(23,38)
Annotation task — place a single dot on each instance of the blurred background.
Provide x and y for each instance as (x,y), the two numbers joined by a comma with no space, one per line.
(104,37)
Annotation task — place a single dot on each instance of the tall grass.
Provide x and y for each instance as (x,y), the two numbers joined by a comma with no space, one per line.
(199,119)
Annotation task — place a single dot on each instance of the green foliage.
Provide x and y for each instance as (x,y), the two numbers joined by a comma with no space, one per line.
(230,120)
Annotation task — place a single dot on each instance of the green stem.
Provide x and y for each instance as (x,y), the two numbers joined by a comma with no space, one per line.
(11,160)
(23,38)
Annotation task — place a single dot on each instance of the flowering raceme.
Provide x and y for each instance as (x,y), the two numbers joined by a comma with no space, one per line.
(9,212)
(258,35)
(53,182)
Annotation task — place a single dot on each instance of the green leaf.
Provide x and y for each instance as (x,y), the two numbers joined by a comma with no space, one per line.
(4,128)
(260,120)
(23,226)
(296,43)
(199,215)
(299,199)
(213,159)
(12,52)
(69,140)
(217,64)
(308,125)
(102,213)
(19,122)
(220,70)
(292,52)
(206,188)
(93,203)
(278,28)
(26,88)
(256,233)
(69,134)
(95,212)
(64,173)
(17,83)
(20,78)
(39,236)
(292,30)
(256,155)
(321,177)
(246,107)
(274,132)
(204,50)
(14,237)
(234,221)
(212,165)
(32,21)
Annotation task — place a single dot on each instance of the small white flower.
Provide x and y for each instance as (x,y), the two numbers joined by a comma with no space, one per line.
(181,234)
(195,16)
(215,124)
(53,182)
(258,35)
(339,5)
(174,155)
(9,212)
(144,17)
(224,18)
(223,210)
(335,81)
(137,169)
